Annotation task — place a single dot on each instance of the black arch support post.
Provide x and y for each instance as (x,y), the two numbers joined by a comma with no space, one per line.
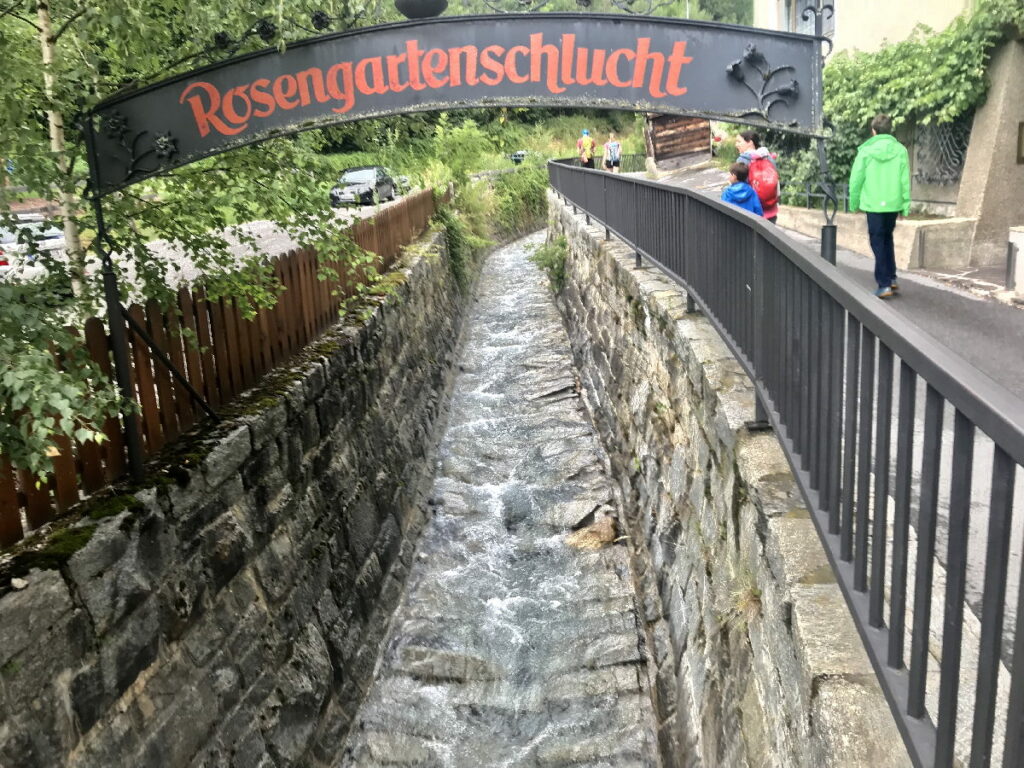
(822,10)
(118,335)
(117,316)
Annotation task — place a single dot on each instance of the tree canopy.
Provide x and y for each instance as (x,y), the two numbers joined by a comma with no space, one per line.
(64,56)
(60,59)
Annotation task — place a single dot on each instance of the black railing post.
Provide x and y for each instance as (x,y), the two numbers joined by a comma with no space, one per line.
(829,205)
(1012,254)
(604,199)
(688,254)
(756,307)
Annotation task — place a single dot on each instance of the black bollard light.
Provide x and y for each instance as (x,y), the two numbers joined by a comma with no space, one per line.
(828,243)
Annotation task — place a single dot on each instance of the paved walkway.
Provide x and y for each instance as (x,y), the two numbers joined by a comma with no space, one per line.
(985,332)
(509,647)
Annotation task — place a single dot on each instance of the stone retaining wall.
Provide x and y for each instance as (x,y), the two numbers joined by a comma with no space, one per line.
(232,616)
(757,661)
(936,244)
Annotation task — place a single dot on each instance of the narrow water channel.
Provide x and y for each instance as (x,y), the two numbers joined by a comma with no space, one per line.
(510,647)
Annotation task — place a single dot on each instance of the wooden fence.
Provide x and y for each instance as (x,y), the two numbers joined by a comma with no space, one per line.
(231,356)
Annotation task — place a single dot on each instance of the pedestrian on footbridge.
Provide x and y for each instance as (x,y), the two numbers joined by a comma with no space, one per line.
(880,186)
(739,192)
(585,146)
(763,175)
(612,153)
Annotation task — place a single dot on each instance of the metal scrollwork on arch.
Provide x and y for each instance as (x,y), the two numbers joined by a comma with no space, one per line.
(820,11)
(635,7)
(767,94)
(140,155)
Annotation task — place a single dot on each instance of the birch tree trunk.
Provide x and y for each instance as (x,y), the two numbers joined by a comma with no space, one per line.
(58,145)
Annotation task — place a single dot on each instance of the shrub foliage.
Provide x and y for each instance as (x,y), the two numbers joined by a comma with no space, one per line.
(930,78)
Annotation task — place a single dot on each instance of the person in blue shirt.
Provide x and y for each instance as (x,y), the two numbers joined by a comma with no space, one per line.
(739,192)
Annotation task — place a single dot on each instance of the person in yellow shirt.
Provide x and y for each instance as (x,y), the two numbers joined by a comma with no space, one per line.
(612,153)
(585,146)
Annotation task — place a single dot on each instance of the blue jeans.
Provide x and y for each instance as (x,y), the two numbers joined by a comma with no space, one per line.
(880,227)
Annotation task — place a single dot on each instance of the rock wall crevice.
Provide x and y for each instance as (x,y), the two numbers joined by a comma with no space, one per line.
(757,661)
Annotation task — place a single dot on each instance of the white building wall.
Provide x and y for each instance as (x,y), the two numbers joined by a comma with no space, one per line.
(862,24)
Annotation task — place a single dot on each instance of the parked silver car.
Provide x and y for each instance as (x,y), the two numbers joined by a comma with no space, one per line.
(20,245)
(363,186)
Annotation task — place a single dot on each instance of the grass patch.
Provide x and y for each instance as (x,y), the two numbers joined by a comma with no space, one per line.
(550,257)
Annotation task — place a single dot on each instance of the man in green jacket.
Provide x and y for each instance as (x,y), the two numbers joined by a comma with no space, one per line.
(880,186)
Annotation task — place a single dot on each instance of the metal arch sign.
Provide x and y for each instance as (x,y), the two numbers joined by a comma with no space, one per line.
(671,66)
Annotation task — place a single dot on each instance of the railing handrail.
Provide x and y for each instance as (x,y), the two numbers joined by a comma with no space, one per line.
(988,404)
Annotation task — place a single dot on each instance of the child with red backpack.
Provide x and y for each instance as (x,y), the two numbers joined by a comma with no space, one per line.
(763,175)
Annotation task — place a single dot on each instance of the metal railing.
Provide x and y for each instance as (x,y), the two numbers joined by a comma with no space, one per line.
(841,378)
(812,197)
(631,163)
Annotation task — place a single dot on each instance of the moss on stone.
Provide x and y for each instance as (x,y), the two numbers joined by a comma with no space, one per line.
(823,574)
(59,548)
(111,506)
(389,283)
(796,513)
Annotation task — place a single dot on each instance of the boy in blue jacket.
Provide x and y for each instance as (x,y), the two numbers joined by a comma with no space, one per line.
(739,192)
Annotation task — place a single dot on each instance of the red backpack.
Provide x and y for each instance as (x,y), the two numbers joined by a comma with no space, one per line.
(764,178)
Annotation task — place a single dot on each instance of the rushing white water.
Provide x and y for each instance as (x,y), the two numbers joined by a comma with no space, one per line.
(510,648)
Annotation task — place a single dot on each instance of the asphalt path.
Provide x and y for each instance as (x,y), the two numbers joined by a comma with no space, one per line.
(986,333)
(270,240)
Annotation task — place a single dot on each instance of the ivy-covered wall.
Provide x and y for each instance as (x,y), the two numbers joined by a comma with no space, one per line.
(923,80)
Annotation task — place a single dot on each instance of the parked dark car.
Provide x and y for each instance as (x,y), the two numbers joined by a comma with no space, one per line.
(363,186)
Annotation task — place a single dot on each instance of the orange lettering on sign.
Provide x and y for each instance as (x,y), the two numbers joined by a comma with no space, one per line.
(553,66)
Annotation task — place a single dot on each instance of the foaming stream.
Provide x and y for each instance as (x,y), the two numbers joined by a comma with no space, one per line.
(510,648)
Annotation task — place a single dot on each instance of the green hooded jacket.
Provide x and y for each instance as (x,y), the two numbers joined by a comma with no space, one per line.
(880,179)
